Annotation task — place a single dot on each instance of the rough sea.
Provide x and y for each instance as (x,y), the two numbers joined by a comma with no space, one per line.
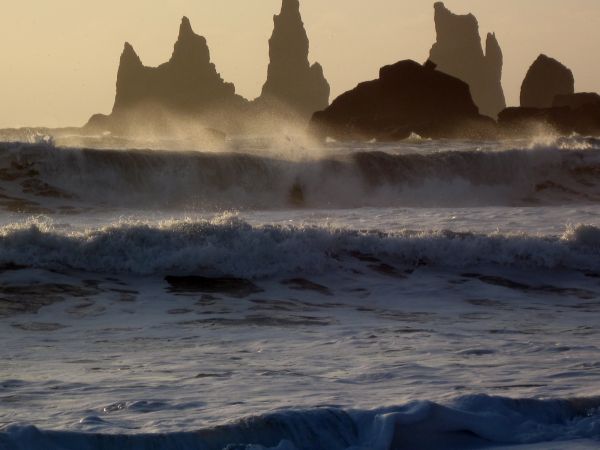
(279,294)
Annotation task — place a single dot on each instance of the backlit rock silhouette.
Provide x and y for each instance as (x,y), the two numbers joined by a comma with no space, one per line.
(577,100)
(187,92)
(187,87)
(291,81)
(407,98)
(458,52)
(545,79)
(570,113)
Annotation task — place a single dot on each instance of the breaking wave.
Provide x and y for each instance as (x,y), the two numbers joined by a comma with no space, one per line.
(476,421)
(227,245)
(432,173)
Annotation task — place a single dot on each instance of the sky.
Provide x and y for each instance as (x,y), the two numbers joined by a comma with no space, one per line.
(59,58)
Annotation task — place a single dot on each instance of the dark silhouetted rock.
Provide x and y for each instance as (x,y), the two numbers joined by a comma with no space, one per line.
(577,100)
(407,98)
(572,117)
(458,52)
(186,96)
(549,104)
(187,87)
(545,79)
(291,81)
(522,121)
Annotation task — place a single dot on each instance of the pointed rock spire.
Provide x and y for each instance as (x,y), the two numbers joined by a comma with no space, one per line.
(291,80)
(129,56)
(185,28)
(458,52)
(190,50)
(187,83)
(130,70)
(493,55)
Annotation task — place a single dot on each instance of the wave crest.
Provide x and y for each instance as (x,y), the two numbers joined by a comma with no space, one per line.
(469,422)
(434,173)
(227,245)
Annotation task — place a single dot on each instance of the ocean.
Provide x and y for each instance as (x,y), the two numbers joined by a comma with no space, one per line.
(283,294)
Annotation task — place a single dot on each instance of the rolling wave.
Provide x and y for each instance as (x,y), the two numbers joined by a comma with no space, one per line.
(476,421)
(227,245)
(561,171)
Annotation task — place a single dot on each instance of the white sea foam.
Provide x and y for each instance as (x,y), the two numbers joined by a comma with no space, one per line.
(229,245)
(484,299)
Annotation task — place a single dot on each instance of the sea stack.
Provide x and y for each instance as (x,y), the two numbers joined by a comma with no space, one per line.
(458,52)
(545,79)
(292,83)
(185,87)
(406,98)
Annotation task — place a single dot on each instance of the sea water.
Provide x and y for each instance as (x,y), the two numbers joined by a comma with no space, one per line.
(419,295)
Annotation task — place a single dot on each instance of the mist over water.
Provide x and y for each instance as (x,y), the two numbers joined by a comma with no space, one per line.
(294,171)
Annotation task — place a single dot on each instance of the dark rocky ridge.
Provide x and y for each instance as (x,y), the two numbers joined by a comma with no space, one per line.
(407,98)
(575,101)
(458,52)
(545,79)
(292,83)
(575,113)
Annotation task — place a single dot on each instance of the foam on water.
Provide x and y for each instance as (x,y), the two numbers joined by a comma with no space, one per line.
(367,327)
(228,245)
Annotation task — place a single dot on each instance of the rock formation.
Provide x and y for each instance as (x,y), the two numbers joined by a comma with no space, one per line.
(458,52)
(570,113)
(186,87)
(291,81)
(545,79)
(575,101)
(187,92)
(565,121)
(407,98)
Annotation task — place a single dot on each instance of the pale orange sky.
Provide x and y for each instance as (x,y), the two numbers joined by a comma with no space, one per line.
(59,57)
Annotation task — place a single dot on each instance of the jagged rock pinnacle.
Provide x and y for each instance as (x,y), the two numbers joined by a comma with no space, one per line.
(290,6)
(185,28)
(187,84)
(129,55)
(291,80)
(458,52)
(190,50)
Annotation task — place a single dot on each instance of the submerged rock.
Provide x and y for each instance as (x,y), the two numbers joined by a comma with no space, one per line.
(233,287)
(458,52)
(407,98)
(292,83)
(545,79)
(296,196)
